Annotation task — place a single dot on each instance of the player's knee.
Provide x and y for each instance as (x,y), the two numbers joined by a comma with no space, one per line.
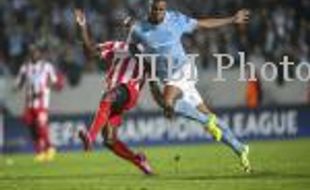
(168,102)
(42,119)
(171,94)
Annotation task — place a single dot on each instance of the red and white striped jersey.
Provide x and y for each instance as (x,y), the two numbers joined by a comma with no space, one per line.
(122,68)
(37,78)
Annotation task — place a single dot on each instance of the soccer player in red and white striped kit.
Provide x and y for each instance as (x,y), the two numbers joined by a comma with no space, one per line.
(38,76)
(121,95)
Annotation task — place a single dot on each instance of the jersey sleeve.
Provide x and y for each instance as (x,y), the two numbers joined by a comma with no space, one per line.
(185,23)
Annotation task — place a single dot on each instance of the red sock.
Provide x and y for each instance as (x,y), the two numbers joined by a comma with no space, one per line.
(100,120)
(121,150)
(43,132)
(39,143)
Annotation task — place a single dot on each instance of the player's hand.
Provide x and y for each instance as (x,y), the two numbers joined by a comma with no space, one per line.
(242,16)
(80,17)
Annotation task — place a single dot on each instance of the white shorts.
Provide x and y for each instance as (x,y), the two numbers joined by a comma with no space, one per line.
(186,81)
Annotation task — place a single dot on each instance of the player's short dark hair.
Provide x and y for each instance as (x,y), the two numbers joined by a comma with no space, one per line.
(156,1)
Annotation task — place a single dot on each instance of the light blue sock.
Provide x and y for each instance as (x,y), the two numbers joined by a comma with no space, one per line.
(185,109)
(229,138)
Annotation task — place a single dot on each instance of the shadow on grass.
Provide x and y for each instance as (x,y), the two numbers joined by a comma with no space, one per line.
(254,175)
(86,176)
(160,177)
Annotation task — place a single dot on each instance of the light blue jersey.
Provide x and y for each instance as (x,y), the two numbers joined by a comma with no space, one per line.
(164,39)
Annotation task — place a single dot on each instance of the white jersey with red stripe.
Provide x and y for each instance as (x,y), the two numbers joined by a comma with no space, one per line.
(122,68)
(37,78)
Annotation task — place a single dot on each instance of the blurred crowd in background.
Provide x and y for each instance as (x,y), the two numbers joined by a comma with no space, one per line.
(277,27)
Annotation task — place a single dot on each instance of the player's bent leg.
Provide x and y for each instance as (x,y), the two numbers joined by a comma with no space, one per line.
(42,122)
(39,154)
(185,99)
(111,101)
(100,119)
(186,105)
(48,151)
(191,105)
(29,120)
(121,150)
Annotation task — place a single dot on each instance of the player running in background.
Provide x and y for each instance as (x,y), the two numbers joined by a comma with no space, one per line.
(160,33)
(121,95)
(38,76)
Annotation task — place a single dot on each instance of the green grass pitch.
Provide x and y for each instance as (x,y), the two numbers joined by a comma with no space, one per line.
(277,165)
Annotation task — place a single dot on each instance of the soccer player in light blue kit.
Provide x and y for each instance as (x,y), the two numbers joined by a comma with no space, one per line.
(161,34)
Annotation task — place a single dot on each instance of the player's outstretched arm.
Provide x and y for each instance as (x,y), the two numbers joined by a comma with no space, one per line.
(241,17)
(80,19)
